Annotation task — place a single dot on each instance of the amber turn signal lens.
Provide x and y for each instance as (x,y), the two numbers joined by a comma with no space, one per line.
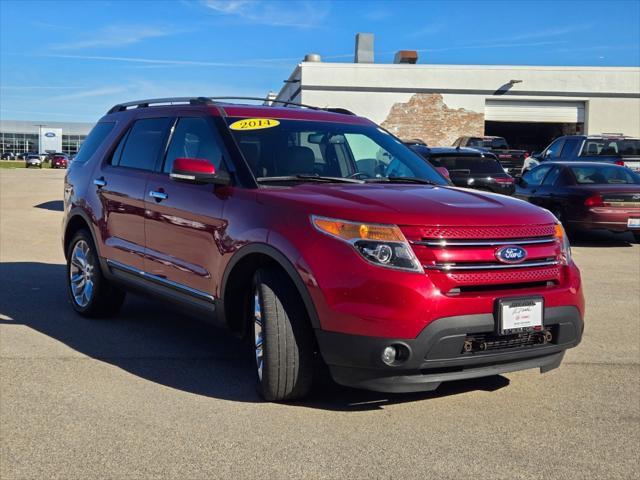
(359,231)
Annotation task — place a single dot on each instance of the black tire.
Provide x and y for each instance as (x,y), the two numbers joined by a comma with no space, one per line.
(636,236)
(287,338)
(106,299)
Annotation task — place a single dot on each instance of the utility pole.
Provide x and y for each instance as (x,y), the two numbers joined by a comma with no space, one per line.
(40,125)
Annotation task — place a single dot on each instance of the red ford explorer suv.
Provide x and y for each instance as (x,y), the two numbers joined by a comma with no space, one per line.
(322,237)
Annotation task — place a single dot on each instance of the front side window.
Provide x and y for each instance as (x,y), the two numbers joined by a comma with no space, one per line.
(143,144)
(569,147)
(553,150)
(193,137)
(535,176)
(295,148)
(93,141)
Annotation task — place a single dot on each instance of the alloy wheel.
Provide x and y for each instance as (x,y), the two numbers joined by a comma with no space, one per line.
(81,274)
(257,328)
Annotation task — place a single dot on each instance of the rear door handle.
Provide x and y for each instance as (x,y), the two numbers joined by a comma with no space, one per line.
(159,196)
(100,182)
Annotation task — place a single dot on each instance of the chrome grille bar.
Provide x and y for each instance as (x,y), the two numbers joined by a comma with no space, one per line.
(450,267)
(482,243)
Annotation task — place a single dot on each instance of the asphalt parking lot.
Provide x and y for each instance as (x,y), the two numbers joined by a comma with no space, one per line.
(158,394)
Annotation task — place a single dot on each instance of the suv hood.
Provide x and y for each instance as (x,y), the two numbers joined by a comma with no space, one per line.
(405,204)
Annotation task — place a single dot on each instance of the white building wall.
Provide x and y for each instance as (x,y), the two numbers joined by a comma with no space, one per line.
(611,94)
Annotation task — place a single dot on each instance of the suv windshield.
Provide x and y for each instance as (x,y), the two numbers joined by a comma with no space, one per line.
(302,150)
(468,164)
(608,146)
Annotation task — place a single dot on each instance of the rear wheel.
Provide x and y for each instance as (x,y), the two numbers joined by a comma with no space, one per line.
(636,236)
(283,338)
(90,293)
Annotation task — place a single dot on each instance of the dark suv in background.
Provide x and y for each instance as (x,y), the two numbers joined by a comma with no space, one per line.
(511,159)
(467,167)
(322,238)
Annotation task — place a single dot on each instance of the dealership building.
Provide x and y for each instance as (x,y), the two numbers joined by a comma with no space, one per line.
(528,105)
(19,137)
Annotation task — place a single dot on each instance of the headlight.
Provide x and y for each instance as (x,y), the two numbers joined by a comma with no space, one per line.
(382,245)
(565,248)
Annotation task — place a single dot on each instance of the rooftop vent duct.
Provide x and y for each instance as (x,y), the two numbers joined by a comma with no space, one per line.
(312,57)
(406,56)
(364,48)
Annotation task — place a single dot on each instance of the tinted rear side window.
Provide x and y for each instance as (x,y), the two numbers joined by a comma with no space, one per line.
(93,141)
(144,144)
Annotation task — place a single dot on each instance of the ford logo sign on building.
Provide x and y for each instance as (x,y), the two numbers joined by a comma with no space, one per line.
(511,254)
(50,134)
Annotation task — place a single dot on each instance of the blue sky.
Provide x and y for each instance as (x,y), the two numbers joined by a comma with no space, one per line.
(72,60)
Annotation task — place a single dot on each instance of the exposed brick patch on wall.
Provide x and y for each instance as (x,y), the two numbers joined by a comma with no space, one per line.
(427,117)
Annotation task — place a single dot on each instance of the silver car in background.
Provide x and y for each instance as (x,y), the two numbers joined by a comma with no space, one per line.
(33,160)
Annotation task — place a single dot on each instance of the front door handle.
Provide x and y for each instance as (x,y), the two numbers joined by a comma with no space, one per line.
(99,182)
(159,196)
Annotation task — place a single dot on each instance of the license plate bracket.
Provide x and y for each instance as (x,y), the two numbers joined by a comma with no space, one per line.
(522,314)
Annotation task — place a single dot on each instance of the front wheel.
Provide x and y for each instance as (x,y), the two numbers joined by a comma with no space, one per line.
(283,338)
(90,293)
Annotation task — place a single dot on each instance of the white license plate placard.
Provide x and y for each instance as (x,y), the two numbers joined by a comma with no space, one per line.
(633,222)
(520,314)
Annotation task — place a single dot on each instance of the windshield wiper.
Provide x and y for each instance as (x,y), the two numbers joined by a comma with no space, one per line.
(422,181)
(311,178)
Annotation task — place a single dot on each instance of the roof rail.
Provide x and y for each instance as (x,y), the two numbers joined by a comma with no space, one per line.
(171,100)
(212,100)
(271,101)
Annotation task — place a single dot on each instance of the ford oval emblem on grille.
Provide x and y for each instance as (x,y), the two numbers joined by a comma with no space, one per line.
(511,254)
(50,134)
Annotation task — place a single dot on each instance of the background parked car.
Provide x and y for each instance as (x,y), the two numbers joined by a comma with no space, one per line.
(59,161)
(585,195)
(512,160)
(616,149)
(33,160)
(469,168)
(8,156)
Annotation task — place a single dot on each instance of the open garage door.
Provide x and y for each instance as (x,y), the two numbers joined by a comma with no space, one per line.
(534,111)
(533,124)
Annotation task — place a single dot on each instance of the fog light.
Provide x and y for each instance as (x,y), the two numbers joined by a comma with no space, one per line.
(389,355)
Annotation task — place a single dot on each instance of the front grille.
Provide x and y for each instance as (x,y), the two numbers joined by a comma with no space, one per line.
(545,262)
(464,258)
(481,232)
(506,277)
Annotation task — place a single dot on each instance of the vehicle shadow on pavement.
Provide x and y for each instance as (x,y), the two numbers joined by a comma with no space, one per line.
(53,205)
(172,348)
(598,238)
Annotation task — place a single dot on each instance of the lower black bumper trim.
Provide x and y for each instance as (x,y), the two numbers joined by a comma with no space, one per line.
(436,354)
(425,382)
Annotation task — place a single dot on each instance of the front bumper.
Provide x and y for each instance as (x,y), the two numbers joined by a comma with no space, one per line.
(436,354)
